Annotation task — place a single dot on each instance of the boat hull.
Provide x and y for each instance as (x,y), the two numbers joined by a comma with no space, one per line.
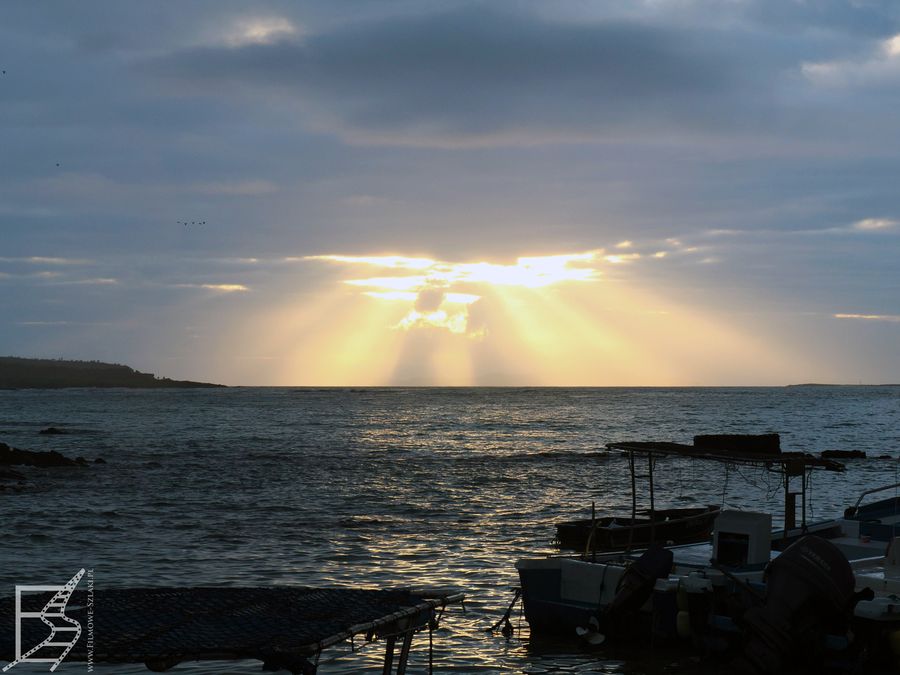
(669,526)
(561,594)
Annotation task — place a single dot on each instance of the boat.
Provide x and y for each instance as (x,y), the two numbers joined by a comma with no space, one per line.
(612,533)
(819,605)
(819,597)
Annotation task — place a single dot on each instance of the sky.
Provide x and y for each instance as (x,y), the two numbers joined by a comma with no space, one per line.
(634,192)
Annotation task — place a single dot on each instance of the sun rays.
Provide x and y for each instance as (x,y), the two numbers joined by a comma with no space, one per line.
(440,292)
(538,320)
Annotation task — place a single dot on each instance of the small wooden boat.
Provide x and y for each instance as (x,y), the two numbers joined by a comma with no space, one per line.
(664,526)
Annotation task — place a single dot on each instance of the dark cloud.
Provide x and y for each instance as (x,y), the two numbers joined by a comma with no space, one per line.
(477,73)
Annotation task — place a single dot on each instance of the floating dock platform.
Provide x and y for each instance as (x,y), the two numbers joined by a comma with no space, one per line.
(284,627)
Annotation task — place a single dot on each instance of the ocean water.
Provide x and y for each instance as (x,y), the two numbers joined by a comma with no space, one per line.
(391,487)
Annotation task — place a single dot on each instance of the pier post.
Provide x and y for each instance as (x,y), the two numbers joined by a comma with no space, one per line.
(790,511)
(389,655)
(404,652)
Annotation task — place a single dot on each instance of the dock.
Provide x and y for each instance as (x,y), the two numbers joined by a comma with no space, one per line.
(284,627)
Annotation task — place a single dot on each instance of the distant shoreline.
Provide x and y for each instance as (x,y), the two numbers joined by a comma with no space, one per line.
(827,384)
(25,373)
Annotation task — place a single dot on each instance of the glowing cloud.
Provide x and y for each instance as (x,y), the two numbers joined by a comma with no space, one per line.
(620,258)
(440,291)
(260,31)
(461,298)
(874,224)
(221,288)
(392,261)
(528,272)
(455,323)
(881,65)
(407,296)
(891,318)
(892,46)
(391,283)
(434,286)
(226,288)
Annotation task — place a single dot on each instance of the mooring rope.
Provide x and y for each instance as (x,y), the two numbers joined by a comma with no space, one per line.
(507,629)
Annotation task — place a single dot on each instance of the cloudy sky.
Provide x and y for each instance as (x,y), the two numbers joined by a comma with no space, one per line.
(671,192)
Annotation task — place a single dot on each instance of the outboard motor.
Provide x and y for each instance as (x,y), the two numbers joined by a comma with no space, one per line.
(633,590)
(809,588)
(635,587)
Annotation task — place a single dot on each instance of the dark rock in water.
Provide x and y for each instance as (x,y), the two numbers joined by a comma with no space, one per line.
(9,474)
(52,431)
(764,444)
(885,457)
(843,454)
(82,461)
(99,460)
(12,456)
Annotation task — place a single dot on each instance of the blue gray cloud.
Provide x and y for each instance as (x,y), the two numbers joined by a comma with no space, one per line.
(479,75)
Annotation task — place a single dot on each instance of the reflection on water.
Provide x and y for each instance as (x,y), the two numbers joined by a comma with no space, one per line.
(391,487)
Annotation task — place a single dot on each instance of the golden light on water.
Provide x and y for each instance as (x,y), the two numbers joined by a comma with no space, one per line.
(559,319)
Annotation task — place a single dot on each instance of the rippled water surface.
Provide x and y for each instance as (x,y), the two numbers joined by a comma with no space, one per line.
(390,487)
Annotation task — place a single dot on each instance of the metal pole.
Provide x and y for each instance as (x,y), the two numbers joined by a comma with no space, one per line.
(389,655)
(803,516)
(633,500)
(404,652)
(790,505)
(652,507)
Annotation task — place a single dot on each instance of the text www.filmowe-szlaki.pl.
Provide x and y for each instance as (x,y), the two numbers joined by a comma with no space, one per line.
(89,605)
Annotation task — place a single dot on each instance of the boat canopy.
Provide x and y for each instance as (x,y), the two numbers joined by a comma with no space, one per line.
(792,462)
(760,450)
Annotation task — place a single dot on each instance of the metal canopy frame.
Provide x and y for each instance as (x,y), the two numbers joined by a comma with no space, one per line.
(788,464)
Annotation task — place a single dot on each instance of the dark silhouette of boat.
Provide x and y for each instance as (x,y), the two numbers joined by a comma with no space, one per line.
(611,533)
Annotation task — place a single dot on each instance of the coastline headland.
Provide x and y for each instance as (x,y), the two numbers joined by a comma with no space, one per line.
(25,373)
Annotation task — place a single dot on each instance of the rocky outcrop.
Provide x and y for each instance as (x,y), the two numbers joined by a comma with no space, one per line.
(52,431)
(844,454)
(764,444)
(13,456)
(20,373)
